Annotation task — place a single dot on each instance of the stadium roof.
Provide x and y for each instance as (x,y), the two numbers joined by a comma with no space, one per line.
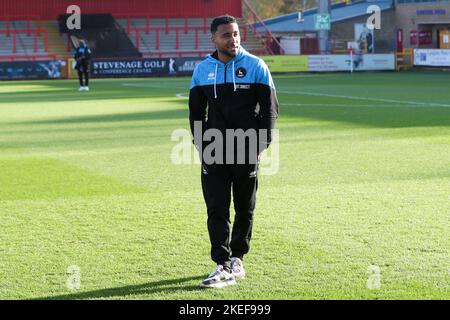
(339,12)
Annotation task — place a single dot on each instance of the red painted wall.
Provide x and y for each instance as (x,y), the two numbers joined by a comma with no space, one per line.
(51,9)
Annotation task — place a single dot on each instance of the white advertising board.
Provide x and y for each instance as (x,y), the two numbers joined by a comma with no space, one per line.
(432,57)
(342,62)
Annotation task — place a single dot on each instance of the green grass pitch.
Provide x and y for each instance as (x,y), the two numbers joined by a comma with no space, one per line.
(359,208)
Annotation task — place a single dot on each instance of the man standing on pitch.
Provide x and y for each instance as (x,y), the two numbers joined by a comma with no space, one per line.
(230,90)
(83,57)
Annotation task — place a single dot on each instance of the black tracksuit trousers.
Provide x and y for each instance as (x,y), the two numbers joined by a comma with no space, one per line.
(83,69)
(217,185)
(84,73)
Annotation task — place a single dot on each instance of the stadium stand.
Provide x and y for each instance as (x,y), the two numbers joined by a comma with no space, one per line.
(156,31)
(187,37)
(22,37)
(58,43)
(104,35)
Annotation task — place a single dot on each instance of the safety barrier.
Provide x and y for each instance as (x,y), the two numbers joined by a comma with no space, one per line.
(36,33)
(404,59)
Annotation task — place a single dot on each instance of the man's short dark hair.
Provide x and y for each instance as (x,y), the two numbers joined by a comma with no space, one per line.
(226,19)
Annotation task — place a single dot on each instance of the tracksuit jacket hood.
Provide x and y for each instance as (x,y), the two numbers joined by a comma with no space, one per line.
(212,58)
(237,95)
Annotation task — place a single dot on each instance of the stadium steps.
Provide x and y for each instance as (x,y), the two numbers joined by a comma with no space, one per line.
(252,42)
(56,40)
(104,35)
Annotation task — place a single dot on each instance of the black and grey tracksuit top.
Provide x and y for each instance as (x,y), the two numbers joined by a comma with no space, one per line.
(236,95)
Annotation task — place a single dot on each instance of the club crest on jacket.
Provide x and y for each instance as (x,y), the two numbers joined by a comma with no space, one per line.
(241,72)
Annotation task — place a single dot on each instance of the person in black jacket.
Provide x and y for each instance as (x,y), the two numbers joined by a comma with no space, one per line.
(82,57)
(232,100)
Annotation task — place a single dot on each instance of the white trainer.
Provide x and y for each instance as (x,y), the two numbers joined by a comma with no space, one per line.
(81,89)
(237,268)
(86,88)
(219,278)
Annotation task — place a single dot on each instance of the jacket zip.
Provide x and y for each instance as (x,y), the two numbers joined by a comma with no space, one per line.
(225,76)
(225,88)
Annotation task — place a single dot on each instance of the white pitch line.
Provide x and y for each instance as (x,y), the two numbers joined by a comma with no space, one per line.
(410,103)
(148,85)
(367,99)
(353,105)
(181,96)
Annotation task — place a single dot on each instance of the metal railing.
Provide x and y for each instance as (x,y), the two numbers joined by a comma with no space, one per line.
(36,33)
(28,18)
(34,57)
(147,18)
(138,31)
(404,59)
(268,36)
(157,30)
(179,54)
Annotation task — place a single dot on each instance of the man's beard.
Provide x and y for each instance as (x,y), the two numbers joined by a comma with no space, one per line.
(229,53)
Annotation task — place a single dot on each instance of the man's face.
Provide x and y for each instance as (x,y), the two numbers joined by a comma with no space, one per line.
(227,39)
